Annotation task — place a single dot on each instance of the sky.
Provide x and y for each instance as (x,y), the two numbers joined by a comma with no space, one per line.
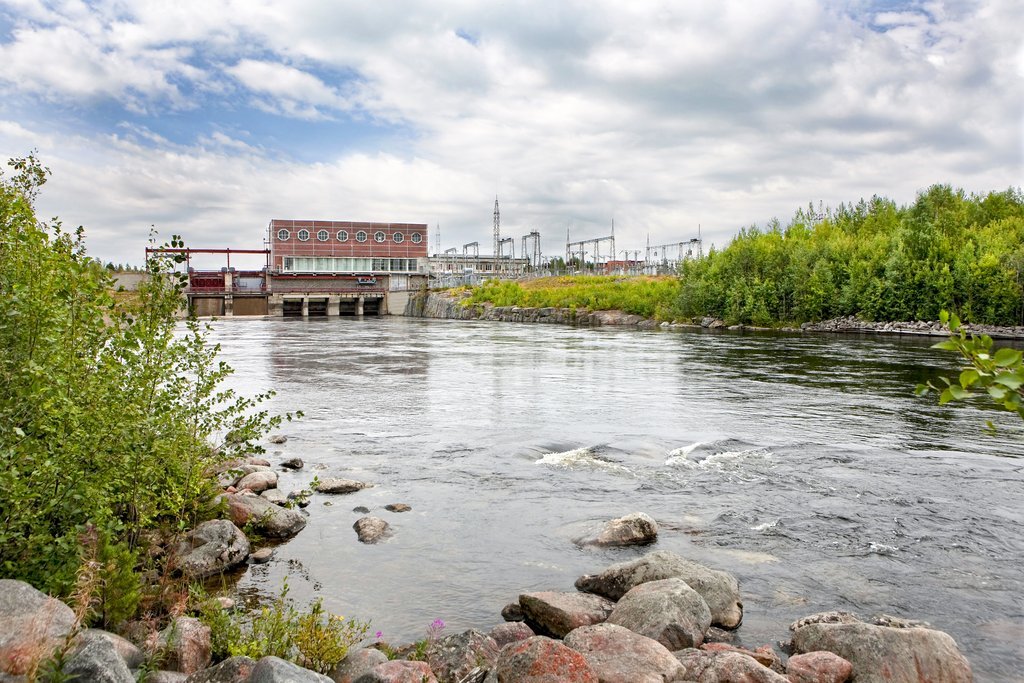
(209,118)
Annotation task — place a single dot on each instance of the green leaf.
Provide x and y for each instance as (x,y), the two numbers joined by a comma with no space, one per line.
(1009,379)
(998,393)
(946,346)
(968,377)
(958,392)
(1006,357)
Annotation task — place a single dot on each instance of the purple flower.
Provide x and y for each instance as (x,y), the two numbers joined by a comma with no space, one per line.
(380,634)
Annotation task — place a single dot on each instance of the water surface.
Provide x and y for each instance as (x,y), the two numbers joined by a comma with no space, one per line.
(802,464)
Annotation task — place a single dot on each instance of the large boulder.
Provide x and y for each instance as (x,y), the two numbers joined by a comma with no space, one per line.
(337,485)
(212,548)
(399,671)
(633,529)
(355,664)
(452,658)
(542,660)
(371,529)
(129,652)
(669,611)
(557,613)
(275,496)
(511,632)
(267,518)
(719,589)
(618,655)
(230,473)
(186,645)
(97,660)
(32,625)
(231,670)
(890,655)
(258,481)
(277,670)
(818,667)
(724,667)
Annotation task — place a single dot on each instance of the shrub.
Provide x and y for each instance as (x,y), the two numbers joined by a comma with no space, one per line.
(110,414)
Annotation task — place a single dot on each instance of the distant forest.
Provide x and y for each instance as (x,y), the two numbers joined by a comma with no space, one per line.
(874,259)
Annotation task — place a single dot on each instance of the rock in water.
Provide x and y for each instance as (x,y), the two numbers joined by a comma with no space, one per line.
(719,589)
(293,464)
(618,655)
(890,655)
(258,481)
(269,519)
(212,548)
(558,613)
(397,507)
(634,529)
(669,611)
(336,485)
(371,529)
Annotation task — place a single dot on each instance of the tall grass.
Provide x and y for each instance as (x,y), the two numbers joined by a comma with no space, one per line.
(650,297)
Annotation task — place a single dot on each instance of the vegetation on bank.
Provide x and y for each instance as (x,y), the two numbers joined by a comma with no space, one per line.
(111,418)
(873,259)
(650,297)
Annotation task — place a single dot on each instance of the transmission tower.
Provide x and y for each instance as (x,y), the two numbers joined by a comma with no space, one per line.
(497,227)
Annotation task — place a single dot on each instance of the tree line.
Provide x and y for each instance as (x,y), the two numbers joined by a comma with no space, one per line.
(874,259)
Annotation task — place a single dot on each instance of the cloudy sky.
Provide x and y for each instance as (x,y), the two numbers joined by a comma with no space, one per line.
(208,118)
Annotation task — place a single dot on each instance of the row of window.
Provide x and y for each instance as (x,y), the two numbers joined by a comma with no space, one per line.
(284,235)
(304,264)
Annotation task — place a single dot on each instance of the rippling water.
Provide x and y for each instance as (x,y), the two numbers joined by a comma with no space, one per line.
(804,465)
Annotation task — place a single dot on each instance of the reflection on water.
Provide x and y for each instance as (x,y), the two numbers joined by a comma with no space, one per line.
(804,465)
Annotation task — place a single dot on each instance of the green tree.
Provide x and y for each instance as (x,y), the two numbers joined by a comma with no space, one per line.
(111,414)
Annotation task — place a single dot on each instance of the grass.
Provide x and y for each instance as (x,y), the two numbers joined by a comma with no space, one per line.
(647,296)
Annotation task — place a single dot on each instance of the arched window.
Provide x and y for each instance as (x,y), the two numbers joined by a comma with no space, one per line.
(303,235)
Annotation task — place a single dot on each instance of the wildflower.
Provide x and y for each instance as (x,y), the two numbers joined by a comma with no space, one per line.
(379,634)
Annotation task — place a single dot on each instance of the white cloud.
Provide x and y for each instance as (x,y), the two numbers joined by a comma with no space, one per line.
(662,117)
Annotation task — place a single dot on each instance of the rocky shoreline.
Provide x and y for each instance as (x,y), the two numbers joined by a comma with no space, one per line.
(657,618)
(446,306)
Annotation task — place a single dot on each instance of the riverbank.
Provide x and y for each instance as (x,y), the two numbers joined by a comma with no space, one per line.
(660,616)
(458,305)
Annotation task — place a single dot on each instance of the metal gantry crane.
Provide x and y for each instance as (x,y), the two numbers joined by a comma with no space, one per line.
(574,249)
(533,255)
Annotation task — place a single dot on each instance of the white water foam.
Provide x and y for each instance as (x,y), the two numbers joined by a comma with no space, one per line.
(581,458)
(725,459)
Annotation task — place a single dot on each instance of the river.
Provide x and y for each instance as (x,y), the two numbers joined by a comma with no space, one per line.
(802,464)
